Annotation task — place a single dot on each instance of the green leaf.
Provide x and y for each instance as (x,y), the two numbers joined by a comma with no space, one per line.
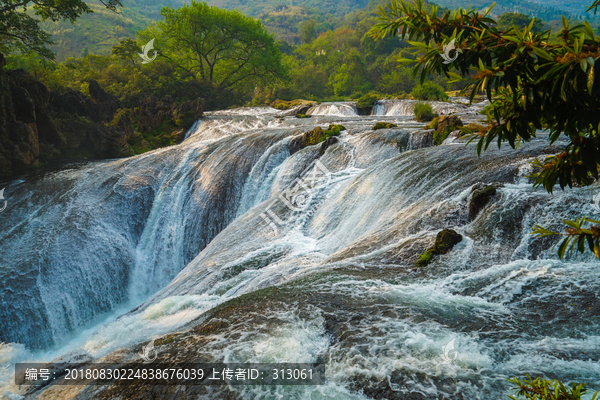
(563,248)
(581,244)
(590,81)
(590,241)
(542,53)
(591,61)
(454,75)
(584,65)
(512,39)
(572,224)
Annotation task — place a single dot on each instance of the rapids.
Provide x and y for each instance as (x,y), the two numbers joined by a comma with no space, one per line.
(103,256)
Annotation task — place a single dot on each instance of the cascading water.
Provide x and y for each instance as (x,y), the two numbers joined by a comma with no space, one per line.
(336,109)
(403,108)
(198,235)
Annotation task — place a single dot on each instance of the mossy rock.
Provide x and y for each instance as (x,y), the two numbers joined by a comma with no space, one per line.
(433,124)
(448,123)
(383,125)
(480,199)
(286,105)
(439,137)
(313,137)
(444,242)
(444,125)
(303,116)
(330,141)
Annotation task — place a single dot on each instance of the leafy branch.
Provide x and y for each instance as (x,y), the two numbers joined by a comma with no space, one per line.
(576,235)
(542,389)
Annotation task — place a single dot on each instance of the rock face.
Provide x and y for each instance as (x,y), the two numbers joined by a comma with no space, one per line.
(37,125)
(96,126)
(422,139)
(22,106)
(444,242)
(152,113)
(480,199)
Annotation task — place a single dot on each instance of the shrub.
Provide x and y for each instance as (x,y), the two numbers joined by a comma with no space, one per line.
(367,100)
(542,389)
(429,91)
(424,112)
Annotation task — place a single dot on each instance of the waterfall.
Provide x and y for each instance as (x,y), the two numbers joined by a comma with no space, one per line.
(337,109)
(241,252)
(406,107)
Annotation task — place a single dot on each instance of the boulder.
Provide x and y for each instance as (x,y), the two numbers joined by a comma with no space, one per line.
(313,137)
(444,242)
(480,199)
(303,109)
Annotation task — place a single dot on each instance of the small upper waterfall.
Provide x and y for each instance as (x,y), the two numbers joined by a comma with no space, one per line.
(406,107)
(334,109)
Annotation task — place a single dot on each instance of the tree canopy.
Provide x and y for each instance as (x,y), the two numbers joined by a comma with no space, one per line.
(218,47)
(507,20)
(19,30)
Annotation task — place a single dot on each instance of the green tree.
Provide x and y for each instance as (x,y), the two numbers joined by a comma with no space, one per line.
(532,84)
(307,30)
(220,48)
(21,31)
(349,78)
(127,49)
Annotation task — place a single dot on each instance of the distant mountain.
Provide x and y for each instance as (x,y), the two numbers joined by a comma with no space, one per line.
(97,33)
(259,7)
(575,7)
(542,9)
